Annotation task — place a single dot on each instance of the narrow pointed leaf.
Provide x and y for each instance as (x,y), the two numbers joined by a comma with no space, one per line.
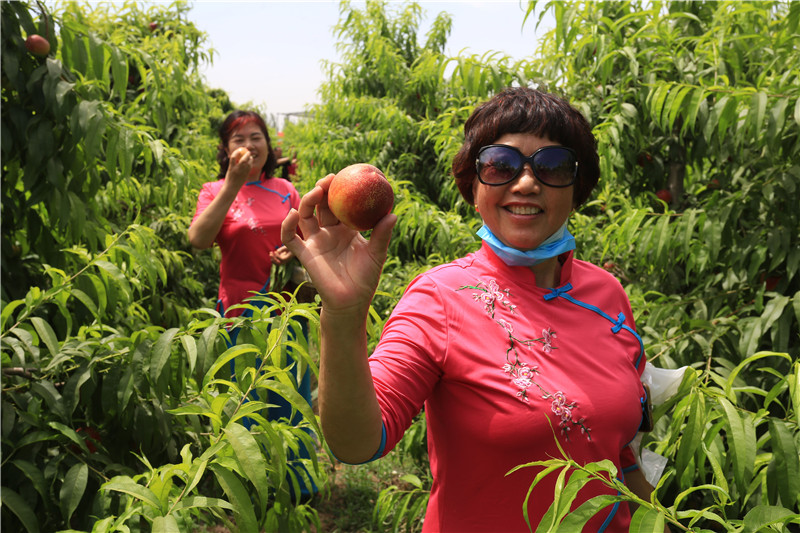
(72,489)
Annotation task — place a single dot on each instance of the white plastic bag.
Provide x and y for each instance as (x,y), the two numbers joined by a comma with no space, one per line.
(663,384)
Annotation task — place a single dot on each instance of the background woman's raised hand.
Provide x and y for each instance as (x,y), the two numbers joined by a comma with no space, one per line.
(344,266)
(241,163)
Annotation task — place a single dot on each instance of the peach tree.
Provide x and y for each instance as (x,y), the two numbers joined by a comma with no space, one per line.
(117,413)
(696,108)
(701,99)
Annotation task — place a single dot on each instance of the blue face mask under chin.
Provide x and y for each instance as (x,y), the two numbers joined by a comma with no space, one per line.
(559,242)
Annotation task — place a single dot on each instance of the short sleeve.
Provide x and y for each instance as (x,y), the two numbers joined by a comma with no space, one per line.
(205,197)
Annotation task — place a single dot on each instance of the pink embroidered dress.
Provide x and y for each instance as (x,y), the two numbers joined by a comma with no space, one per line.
(503,368)
(252,229)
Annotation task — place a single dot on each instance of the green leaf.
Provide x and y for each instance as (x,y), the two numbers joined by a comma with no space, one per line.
(47,335)
(128,486)
(126,153)
(698,97)
(35,476)
(692,434)
(647,520)
(727,115)
(72,390)
(762,516)
(72,489)
(223,360)
(576,519)
(664,234)
(115,274)
(773,311)
(744,364)
(758,109)
(250,456)
(786,462)
(161,353)
(165,524)
(201,502)
(750,337)
(119,72)
(239,498)
(7,311)
(51,396)
(564,496)
(657,100)
(797,112)
(85,300)
(719,475)
(674,105)
(741,443)
(411,479)
(190,346)
(297,401)
(793,380)
(17,505)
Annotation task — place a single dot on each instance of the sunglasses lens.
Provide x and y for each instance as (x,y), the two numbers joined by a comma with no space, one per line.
(498,164)
(554,166)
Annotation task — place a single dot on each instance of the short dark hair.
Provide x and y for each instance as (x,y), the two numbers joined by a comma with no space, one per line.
(232,122)
(525,110)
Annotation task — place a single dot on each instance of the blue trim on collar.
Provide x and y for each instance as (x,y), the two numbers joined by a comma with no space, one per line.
(561,292)
(555,293)
(618,323)
(258,184)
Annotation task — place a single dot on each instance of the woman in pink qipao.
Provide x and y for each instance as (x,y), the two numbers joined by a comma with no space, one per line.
(511,350)
(242,212)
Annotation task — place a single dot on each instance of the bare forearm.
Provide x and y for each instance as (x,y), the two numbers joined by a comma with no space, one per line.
(203,231)
(349,411)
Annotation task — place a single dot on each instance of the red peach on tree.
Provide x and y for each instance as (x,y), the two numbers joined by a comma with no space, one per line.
(664,195)
(37,45)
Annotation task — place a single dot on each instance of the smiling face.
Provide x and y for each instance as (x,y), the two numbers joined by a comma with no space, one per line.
(250,136)
(524,212)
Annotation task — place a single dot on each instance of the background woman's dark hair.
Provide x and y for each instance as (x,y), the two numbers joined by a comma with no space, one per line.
(525,110)
(232,122)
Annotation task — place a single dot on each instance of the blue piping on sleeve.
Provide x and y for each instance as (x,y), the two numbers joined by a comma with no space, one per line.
(610,516)
(632,468)
(377,455)
(615,507)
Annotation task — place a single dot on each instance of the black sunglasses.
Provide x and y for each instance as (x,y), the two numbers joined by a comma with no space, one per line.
(554,166)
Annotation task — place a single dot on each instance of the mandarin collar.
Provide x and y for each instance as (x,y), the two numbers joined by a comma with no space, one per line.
(523,274)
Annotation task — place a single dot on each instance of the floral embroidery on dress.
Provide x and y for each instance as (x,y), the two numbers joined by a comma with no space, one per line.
(490,295)
(523,376)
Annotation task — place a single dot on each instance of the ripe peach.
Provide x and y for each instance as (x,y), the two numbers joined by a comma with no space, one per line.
(238,154)
(664,195)
(37,45)
(360,195)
